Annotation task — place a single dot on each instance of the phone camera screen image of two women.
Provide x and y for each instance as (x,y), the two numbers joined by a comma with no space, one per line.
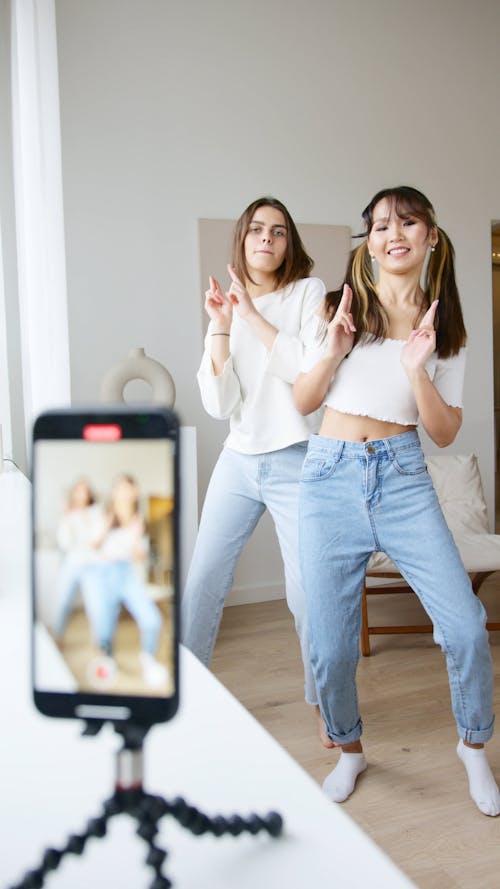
(104,564)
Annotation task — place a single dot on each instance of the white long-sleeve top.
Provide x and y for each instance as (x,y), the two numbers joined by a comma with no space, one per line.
(78,529)
(254,390)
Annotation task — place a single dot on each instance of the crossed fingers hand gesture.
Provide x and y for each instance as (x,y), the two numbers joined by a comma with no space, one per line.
(217,305)
(341,329)
(238,295)
(422,341)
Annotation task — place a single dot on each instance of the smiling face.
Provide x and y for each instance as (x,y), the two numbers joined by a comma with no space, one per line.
(399,239)
(266,241)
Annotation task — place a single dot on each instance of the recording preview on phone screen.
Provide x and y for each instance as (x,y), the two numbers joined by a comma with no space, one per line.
(103,561)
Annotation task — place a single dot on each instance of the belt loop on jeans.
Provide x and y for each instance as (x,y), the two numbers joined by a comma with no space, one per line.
(388,447)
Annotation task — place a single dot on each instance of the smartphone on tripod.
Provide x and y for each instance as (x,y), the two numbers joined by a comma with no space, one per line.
(105,564)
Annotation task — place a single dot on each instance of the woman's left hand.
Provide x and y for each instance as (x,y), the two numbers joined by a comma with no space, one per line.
(239,296)
(421,343)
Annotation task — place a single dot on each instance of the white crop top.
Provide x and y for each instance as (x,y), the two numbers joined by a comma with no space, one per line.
(372,382)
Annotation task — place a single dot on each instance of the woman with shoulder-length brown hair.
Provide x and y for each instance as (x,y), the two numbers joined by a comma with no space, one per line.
(295,264)
(253,352)
(392,355)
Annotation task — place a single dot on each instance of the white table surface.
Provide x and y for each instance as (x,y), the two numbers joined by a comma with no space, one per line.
(213,753)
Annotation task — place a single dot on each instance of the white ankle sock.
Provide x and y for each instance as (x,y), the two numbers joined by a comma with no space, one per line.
(340,783)
(482,785)
(154,673)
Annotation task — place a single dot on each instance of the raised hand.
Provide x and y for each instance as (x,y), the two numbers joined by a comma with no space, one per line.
(341,329)
(218,306)
(238,295)
(421,343)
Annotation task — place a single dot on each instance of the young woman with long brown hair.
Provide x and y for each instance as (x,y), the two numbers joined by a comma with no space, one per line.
(392,354)
(253,352)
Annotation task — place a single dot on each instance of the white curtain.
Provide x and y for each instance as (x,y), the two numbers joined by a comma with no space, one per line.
(39,208)
(5,427)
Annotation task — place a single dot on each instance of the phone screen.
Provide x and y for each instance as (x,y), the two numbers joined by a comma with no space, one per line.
(105,564)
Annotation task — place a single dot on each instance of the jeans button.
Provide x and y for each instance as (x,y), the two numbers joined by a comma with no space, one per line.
(370,449)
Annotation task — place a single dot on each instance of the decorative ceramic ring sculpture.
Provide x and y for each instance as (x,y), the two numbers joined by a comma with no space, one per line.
(138,366)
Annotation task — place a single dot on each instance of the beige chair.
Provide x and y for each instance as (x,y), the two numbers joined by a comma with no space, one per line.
(458,485)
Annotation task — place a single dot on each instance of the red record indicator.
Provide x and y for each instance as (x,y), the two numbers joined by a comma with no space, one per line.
(102,432)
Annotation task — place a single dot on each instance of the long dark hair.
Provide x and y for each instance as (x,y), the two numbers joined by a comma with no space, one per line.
(368,314)
(296,263)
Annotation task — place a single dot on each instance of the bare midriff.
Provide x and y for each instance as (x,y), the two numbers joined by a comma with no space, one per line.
(351,427)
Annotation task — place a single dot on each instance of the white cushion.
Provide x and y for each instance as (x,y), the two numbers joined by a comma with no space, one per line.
(458,485)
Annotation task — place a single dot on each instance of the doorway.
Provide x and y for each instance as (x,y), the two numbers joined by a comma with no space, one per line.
(495,273)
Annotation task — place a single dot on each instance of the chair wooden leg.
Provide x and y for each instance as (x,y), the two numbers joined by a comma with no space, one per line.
(365,634)
(477,581)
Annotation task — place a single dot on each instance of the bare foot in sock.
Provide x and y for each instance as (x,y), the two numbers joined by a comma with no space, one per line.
(325,740)
(482,785)
(340,783)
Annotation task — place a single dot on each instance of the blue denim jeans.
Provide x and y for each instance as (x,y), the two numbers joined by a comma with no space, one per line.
(106,586)
(241,488)
(361,497)
(68,584)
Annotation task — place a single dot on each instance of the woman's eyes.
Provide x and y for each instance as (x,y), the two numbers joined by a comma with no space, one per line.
(276,232)
(383,228)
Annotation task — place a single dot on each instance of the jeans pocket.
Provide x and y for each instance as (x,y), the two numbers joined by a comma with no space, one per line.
(317,467)
(409,461)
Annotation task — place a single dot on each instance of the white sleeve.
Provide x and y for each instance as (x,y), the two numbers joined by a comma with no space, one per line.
(220,394)
(449,378)
(315,347)
(287,353)
(98,526)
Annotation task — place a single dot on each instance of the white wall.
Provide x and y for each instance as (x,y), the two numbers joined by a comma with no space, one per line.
(175,111)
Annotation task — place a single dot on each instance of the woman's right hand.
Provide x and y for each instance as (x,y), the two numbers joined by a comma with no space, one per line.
(341,329)
(218,306)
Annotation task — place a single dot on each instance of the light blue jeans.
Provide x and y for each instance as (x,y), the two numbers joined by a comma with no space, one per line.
(242,487)
(68,583)
(356,498)
(106,586)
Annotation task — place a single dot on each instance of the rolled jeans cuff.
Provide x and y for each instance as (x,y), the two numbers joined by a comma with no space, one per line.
(350,737)
(479,736)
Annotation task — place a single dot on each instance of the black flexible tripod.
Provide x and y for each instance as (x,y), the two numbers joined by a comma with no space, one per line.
(147,809)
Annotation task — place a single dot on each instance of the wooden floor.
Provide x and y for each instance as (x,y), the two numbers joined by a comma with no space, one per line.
(81,654)
(413,799)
